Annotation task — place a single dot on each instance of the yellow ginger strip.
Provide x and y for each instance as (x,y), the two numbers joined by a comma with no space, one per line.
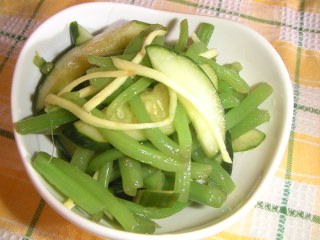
(69,203)
(195,38)
(116,83)
(104,93)
(73,84)
(104,123)
(211,53)
(87,91)
(138,58)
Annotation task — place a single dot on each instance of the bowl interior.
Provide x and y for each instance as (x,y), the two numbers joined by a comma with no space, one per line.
(234,42)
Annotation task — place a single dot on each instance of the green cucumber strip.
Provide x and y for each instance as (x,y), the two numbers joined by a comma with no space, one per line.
(183,36)
(51,169)
(97,217)
(102,82)
(101,159)
(207,195)
(105,174)
(158,40)
(182,183)
(181,124)
(202,126)
(89,131)
(205,32)
(224,87)
(183,178)
(156,198)
(228,166)
(229,75)
(200,171)
(113,96)
(82,140)
(137,42)
(195,50)
(131,91)
(115,174)
(65,147)
(253,120)
(154,180)
(247,105)
(211,74)
(234,65)
(105,63)
(142,153)
(155,212)
(221,177)
(145,225)
(147,169)
(131,175)
(44,123)
(218,174)
(248,140)
(158,138)
(81,158)
(228,100)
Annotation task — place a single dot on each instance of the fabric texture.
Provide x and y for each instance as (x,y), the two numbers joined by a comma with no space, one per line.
(288,209)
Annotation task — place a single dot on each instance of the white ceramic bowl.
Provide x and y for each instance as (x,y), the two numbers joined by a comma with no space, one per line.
(235,42)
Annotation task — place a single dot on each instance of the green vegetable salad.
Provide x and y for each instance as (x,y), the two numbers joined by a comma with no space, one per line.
(143,127)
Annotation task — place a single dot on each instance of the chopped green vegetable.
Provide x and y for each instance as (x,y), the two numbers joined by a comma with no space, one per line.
(44,123)
(183,36)
(131,174)
(205,32)
(229,75)
(154,212)
(207,195)
(144,128)
(81,158)
(247,105)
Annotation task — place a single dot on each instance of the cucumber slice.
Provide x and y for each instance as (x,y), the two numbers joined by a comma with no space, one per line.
(74,63)
(197,94)
(79,34)
(90,137)
(89,131)
(65,147)
(248,140)
(157,103)
(83,140)
(211,74)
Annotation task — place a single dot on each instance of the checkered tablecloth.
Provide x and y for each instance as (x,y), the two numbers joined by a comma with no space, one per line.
(289,208)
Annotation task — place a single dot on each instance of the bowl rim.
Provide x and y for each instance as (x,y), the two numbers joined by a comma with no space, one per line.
(192,234)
